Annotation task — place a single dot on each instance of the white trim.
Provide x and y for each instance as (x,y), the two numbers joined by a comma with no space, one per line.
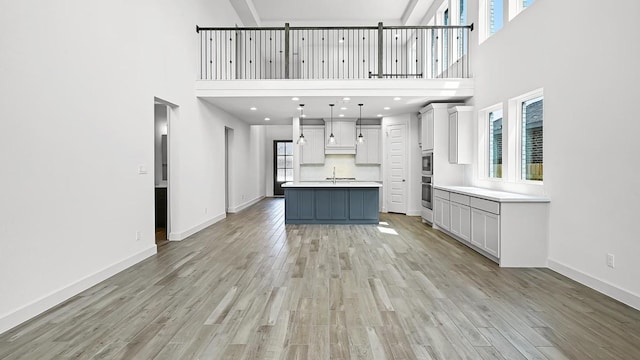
(602,286)
(517,103)
(34,308)
(414,213)
(185,234)
(241,207)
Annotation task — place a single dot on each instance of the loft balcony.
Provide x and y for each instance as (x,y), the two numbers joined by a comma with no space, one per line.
(356,52)
(430,61)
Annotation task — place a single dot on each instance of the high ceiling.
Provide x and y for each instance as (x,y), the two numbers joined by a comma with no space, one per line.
(281,109)
(330,12)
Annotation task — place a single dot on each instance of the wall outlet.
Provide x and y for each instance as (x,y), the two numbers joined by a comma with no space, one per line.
(137,235)
(611,261)
(142,169)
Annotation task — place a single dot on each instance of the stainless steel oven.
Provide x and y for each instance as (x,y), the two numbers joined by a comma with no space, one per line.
(427,192)
(427,163)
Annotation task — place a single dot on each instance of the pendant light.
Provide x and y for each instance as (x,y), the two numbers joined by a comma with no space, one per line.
(360,137)
(301,139)
(332,139)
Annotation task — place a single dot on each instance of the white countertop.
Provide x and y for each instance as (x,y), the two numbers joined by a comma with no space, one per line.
(330,184)
(500,196)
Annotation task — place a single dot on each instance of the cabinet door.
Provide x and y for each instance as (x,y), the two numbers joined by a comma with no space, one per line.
(485,231)
(369,151)
(460,221)
(453,138)
(313,151)
(442,213)
(427,131)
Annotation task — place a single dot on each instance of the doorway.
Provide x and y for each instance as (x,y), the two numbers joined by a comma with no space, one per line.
(282,165)
(161,113)
(228,167)
(397,168)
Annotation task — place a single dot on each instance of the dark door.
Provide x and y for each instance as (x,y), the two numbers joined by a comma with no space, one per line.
(282,165)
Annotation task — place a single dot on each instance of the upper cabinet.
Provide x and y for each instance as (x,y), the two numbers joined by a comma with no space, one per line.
(460,134)
(344,131)
(426,135)
(369,151)
(313,151)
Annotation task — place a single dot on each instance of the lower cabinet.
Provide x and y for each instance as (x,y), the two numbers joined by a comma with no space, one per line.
(337,205)
(485,231)
(460,221)
(441,213)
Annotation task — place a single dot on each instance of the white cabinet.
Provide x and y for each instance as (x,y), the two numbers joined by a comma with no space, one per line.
(485,231)
(460,221)
(441,209)
(313,151)
(369,151)
(344,131)
(460,134)
(426,133)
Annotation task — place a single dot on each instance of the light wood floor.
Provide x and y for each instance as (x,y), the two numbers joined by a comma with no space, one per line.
(250,287)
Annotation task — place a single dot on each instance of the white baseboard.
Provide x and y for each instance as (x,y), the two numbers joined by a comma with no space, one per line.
(602,286)
(177,236)
(241,207)
(26,312)
(414,213)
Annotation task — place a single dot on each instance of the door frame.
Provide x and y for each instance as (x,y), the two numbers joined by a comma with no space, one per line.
(275,164)
(173,115)
(386,122)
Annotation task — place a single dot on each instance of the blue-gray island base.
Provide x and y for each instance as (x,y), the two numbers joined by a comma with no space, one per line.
(331,205)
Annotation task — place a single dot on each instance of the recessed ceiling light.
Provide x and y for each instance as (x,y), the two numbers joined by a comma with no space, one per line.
(343,108)
(341,115)
(397,98)
(346,99)
(379,115)
(295,99)
(253,108)
(267,119)
(387,108)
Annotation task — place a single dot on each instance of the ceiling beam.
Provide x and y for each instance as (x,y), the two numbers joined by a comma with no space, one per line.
(246,12)
(415,12)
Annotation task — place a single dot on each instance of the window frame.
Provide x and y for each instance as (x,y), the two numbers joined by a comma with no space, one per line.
(484,143)
(485,18)
(518,103)
(516,7)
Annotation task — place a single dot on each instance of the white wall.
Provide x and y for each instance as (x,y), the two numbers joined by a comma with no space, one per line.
(61,64)
(590,80)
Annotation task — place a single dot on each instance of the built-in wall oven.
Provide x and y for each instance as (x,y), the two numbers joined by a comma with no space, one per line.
(427,192)
(427,187)
(427,163)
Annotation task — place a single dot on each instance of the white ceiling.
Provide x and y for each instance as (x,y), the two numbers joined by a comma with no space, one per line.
(281,110)
(348,12)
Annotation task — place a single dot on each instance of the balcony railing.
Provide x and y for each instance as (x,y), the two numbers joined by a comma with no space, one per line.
(356,52)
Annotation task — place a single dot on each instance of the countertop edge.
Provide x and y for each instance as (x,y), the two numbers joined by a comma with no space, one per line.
(512,197)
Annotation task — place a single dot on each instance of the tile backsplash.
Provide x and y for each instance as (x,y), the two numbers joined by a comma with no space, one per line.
(345,168)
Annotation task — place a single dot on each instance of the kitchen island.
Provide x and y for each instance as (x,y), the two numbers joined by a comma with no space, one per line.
(327,202)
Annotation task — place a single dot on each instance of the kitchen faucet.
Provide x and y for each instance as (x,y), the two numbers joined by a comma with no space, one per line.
(334,175)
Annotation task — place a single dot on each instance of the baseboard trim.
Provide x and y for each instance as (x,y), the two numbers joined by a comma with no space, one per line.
(414,213)
(241,207)
(178,236)
(37,307)
(602,286)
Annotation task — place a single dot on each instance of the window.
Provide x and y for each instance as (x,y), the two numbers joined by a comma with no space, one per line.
(495,16)
(445,41)
(463,40)
(495,143)
(531,116)
(516,6)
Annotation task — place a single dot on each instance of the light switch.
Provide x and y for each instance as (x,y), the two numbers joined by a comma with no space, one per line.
(142,169)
